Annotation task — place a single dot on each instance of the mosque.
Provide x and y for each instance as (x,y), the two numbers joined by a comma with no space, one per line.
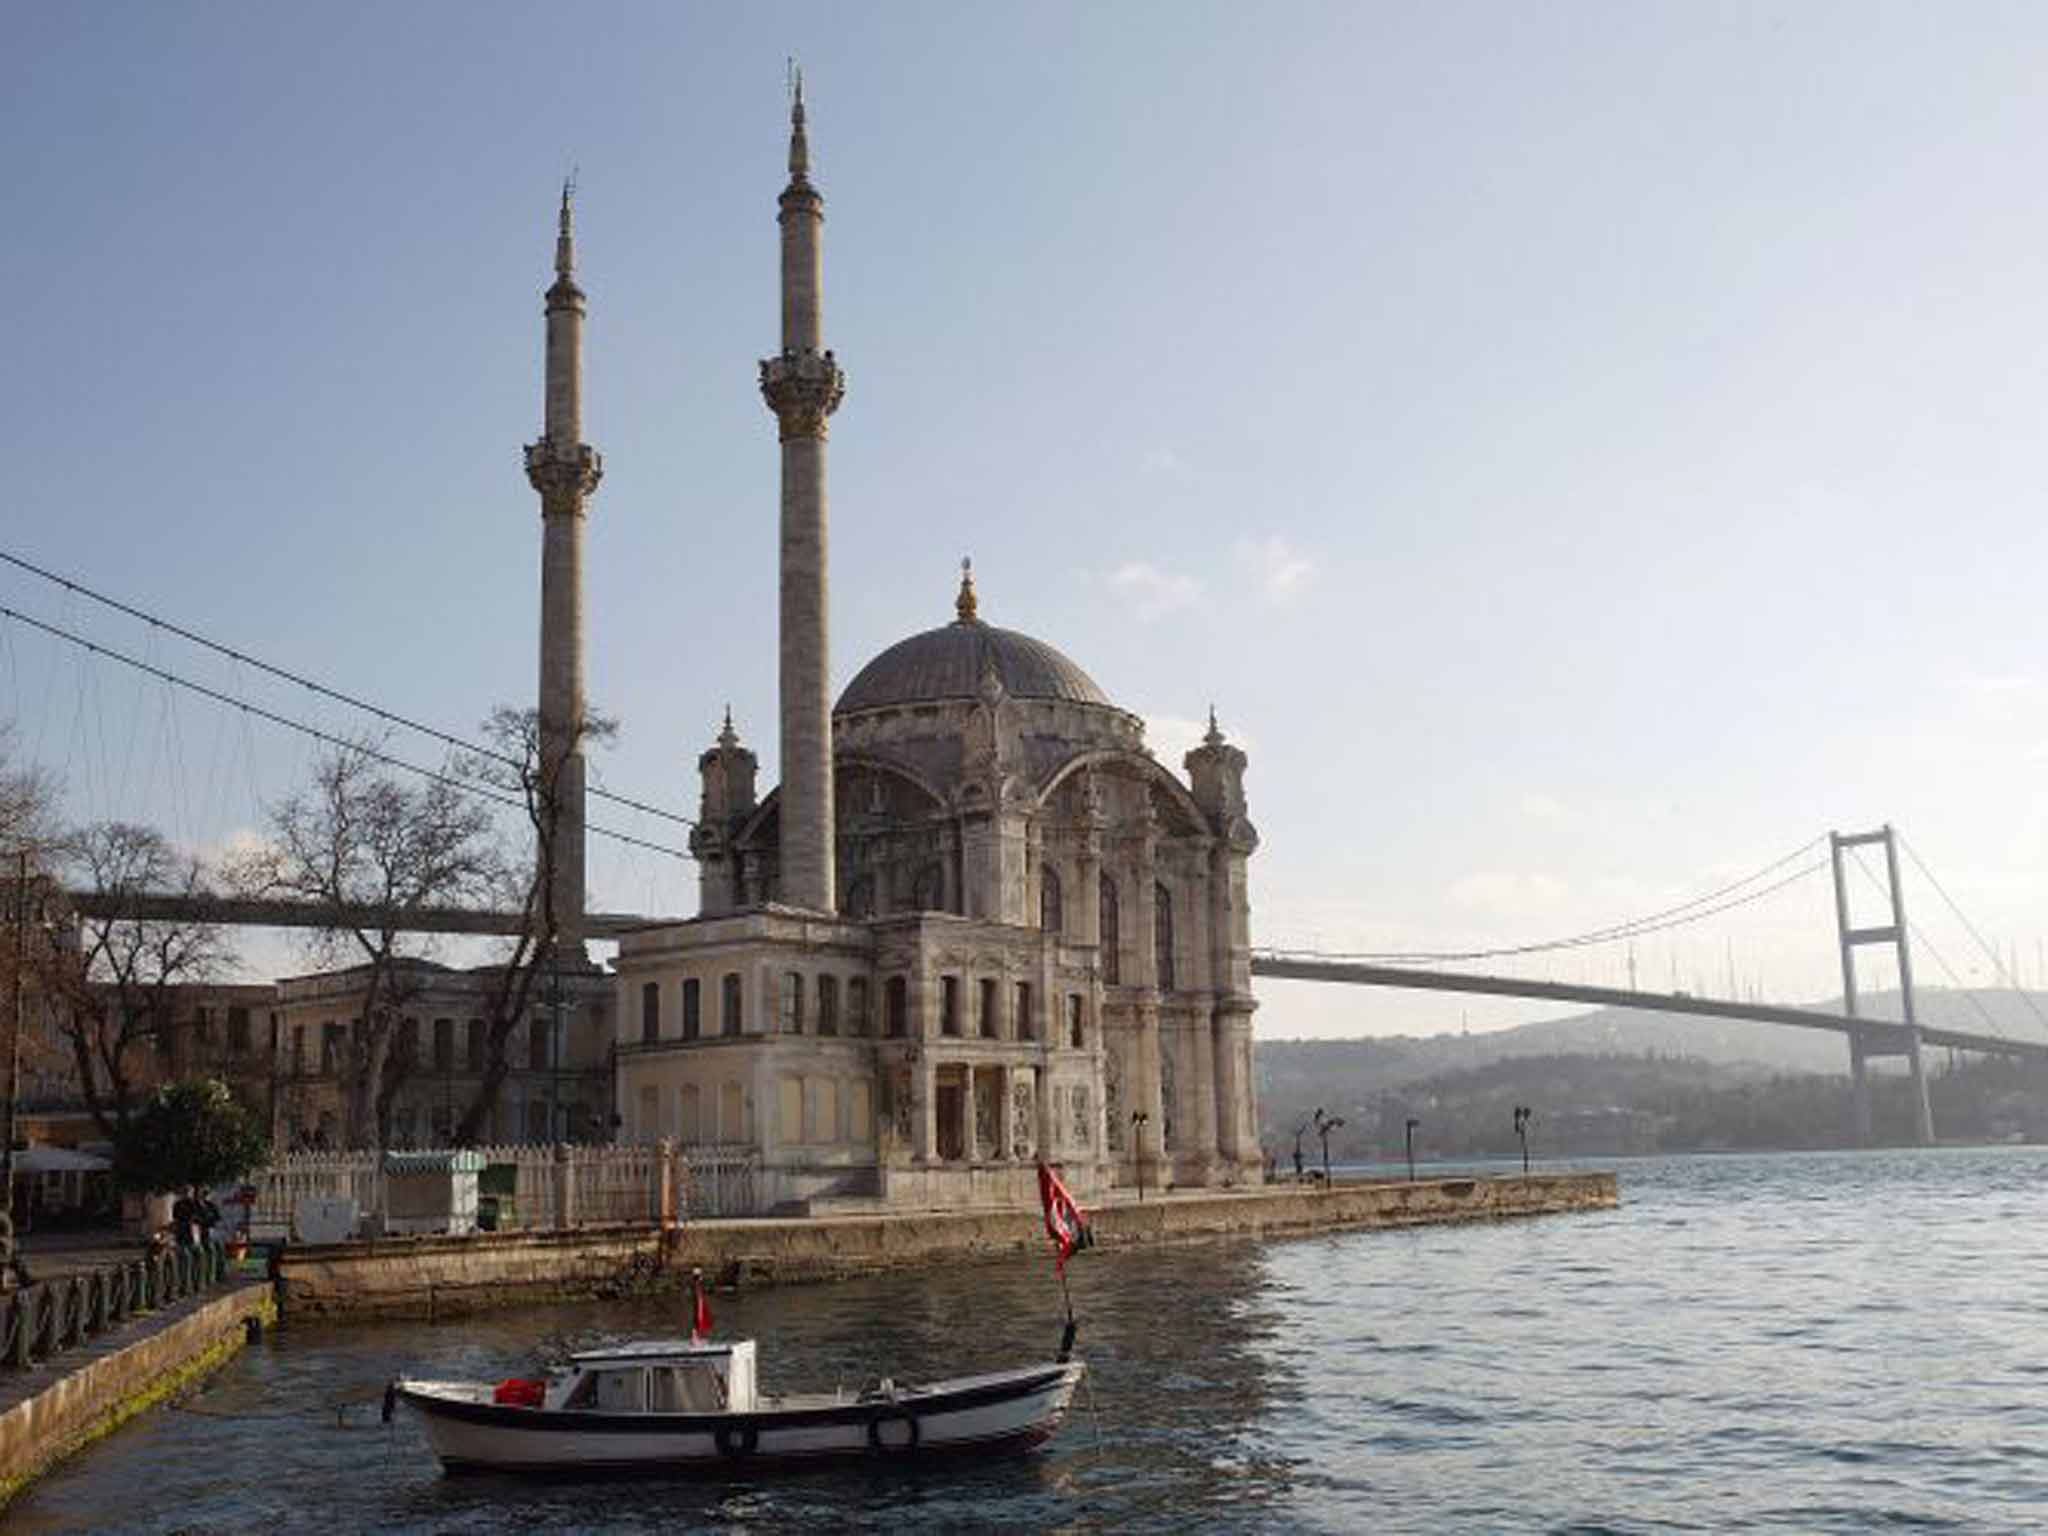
(974,925)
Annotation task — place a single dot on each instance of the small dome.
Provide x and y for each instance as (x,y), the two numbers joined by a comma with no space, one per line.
(947,663)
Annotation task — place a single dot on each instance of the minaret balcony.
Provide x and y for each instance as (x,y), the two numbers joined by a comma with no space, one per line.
(563,468)
(802,387)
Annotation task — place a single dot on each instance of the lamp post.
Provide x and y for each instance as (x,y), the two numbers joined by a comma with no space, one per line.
(1523,1115)
(1324,1125)
(1138,1122)
(1412,1123)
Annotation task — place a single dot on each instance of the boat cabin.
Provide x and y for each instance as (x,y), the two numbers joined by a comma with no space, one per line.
(658,1376)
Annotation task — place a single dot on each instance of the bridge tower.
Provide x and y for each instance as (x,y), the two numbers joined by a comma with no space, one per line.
(1895,934)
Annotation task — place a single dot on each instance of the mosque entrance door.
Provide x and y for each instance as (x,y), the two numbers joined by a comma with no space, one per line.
(950,1109)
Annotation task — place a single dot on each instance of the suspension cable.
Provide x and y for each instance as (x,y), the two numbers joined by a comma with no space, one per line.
(1914,933)
(1653,922)
(1997,965)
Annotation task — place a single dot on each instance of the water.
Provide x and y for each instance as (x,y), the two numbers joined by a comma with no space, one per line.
(1804,1343)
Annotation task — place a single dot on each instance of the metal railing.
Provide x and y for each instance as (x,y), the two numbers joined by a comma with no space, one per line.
(45,1318)
(551,1186)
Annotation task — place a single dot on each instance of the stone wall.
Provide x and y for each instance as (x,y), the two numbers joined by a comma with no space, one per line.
(430,1277)
(66,1403)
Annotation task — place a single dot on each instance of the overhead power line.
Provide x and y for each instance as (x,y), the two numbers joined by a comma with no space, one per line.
(467,786)
(285,674)
(1695,910)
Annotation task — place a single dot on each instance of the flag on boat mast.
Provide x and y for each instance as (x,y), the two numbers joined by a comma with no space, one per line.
(700,1319)
(1065,1222)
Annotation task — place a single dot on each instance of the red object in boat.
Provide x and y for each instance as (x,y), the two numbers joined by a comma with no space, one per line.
(516,1392)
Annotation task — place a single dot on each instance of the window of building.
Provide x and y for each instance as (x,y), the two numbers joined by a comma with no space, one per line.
(298,1049)
(1074,1031)
(1162,934)
(202,1025)
(409,1041)
(1112,933)
(1050,916)
(929,894)
(729,1017)
(988,1008)
(857,1006)
(949,1005)
(401,1125)
(896,1008)
(537,1120)
(444,1045)
(828,1005)
(330,1046)
(693,1020)
(789,1004)
(650,1012)
(1027,1026)
(537,1045)
(238,1031)
(444,1124)
(474,1053)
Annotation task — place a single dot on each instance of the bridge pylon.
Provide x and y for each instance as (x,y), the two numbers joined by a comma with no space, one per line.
(1861,1048)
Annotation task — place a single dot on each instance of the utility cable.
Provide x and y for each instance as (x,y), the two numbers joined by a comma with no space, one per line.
(388,716)
(467,786)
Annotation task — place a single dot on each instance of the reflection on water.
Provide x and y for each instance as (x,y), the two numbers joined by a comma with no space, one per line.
(1800,1343)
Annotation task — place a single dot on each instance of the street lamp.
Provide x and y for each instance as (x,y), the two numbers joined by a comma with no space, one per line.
(1523,1115)
(1412,1123)
(1324,1125)
(1139,1120)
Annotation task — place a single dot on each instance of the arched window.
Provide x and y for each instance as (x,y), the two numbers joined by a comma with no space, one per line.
(1050,916)
(930,892)
(1112,933)
(693,1017)
(896,1008)
(650,1012)
(860,897)
(729,1004)
(1162,934)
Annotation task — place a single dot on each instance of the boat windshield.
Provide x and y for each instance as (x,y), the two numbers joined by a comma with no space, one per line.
(695,1387)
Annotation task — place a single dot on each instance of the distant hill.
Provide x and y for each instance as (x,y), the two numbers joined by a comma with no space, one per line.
(1360,1079)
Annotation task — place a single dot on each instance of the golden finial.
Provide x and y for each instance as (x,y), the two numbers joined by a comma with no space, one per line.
(799,143)
(964,605)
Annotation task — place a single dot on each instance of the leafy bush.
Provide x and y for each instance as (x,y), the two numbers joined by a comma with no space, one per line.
(193,1132)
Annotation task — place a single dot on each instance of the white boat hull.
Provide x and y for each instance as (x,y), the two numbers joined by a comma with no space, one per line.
(1002,1411)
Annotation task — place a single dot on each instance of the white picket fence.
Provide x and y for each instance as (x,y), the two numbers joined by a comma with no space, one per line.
(606,1184)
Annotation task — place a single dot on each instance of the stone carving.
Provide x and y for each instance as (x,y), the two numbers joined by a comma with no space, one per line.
(902,1105)
(802,388)
(1113,1097)
(1022,1140)
(1083,1137)
(987,1108)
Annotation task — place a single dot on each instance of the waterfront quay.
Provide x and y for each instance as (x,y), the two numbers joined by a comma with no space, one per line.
(440,1276)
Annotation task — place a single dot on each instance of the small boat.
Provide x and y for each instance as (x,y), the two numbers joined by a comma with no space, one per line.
(684,1405)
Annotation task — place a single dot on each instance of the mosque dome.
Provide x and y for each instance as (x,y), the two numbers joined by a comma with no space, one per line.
(949,663)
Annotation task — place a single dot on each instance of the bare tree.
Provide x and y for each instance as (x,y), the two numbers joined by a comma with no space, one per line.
(516,764)
(374,852)
(120,983)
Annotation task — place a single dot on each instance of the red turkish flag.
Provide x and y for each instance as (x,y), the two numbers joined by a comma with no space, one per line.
(700,1323)
(1065,1223)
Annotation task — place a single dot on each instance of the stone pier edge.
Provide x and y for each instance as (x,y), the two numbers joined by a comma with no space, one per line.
(94,1389)
(434,1277)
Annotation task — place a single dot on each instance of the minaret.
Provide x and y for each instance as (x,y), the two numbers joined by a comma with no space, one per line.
(564,470)
(803,386)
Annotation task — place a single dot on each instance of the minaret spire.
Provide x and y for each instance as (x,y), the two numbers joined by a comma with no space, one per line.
(803,386)
(565,471)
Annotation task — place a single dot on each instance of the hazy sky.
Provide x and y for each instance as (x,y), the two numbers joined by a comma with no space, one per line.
(1584,451)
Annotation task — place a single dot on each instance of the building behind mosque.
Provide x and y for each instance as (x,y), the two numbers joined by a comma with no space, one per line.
(976,924)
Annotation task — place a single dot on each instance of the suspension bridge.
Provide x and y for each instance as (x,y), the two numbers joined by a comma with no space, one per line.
(235,692)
